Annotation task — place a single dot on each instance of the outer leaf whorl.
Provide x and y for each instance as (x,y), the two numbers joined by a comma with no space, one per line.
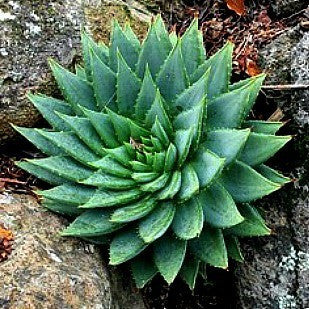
(151,151)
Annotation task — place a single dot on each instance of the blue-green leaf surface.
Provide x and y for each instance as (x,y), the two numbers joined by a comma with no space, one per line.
(169,253)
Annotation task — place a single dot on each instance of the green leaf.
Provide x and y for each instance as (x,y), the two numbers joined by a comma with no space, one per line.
(80,72)
(130,147)
(91,223)
(111,166)
(42,173)
(189,183)
(158,130)
(103,81)
(192,48)
(193,95)
(173,38)
(88,46)
(162,33)
(170,158)
(210,247)
(191,119)
(207,166)
(146,140)
(103,126)
(260,147)
(69,194)
(265,127)
(47,106)
(145,176)
(120,154)
(132,36)
(230,109)
(272,174)
(112,198)
(121,126)
(227,110)
(128,87)
(157,111)
(219,208)
(189,271)
(183,141)
(158,161)
(76,90)
(137,131)
(245,184)
(255,84)
(188,220)
(220,72)
(157,145)
(149,158)
(226,143)
(146,95)
(156,184)
(143,270)
(62,208)
(233,248)
(106,181)
(253,225)
(171,188)
(39,141)
(125,246)
(172,78)
(85,131)
(134,211)
(169,254)
(60,166)
(157,223)
(140,167)
(121,43)
(153,54)
(71,144)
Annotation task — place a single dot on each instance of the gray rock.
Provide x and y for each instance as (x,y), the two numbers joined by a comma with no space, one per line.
(276,57)
(300,213)
(276,271)
(44,270)
(33,31)
(287,7)
(48,271)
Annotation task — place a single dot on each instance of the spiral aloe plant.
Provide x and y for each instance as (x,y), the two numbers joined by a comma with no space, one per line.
(151,152)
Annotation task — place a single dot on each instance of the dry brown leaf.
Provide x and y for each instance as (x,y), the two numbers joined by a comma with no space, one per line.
(252,69)
(6,234)
(6,239)
(238,6)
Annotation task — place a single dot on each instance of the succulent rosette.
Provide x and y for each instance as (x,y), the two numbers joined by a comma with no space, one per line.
(152,153)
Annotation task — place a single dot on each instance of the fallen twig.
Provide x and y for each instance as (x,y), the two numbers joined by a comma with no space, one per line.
(9,180)
(277,115)
(285,87)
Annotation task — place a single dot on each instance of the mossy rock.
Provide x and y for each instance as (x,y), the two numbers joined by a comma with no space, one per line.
(98,18)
